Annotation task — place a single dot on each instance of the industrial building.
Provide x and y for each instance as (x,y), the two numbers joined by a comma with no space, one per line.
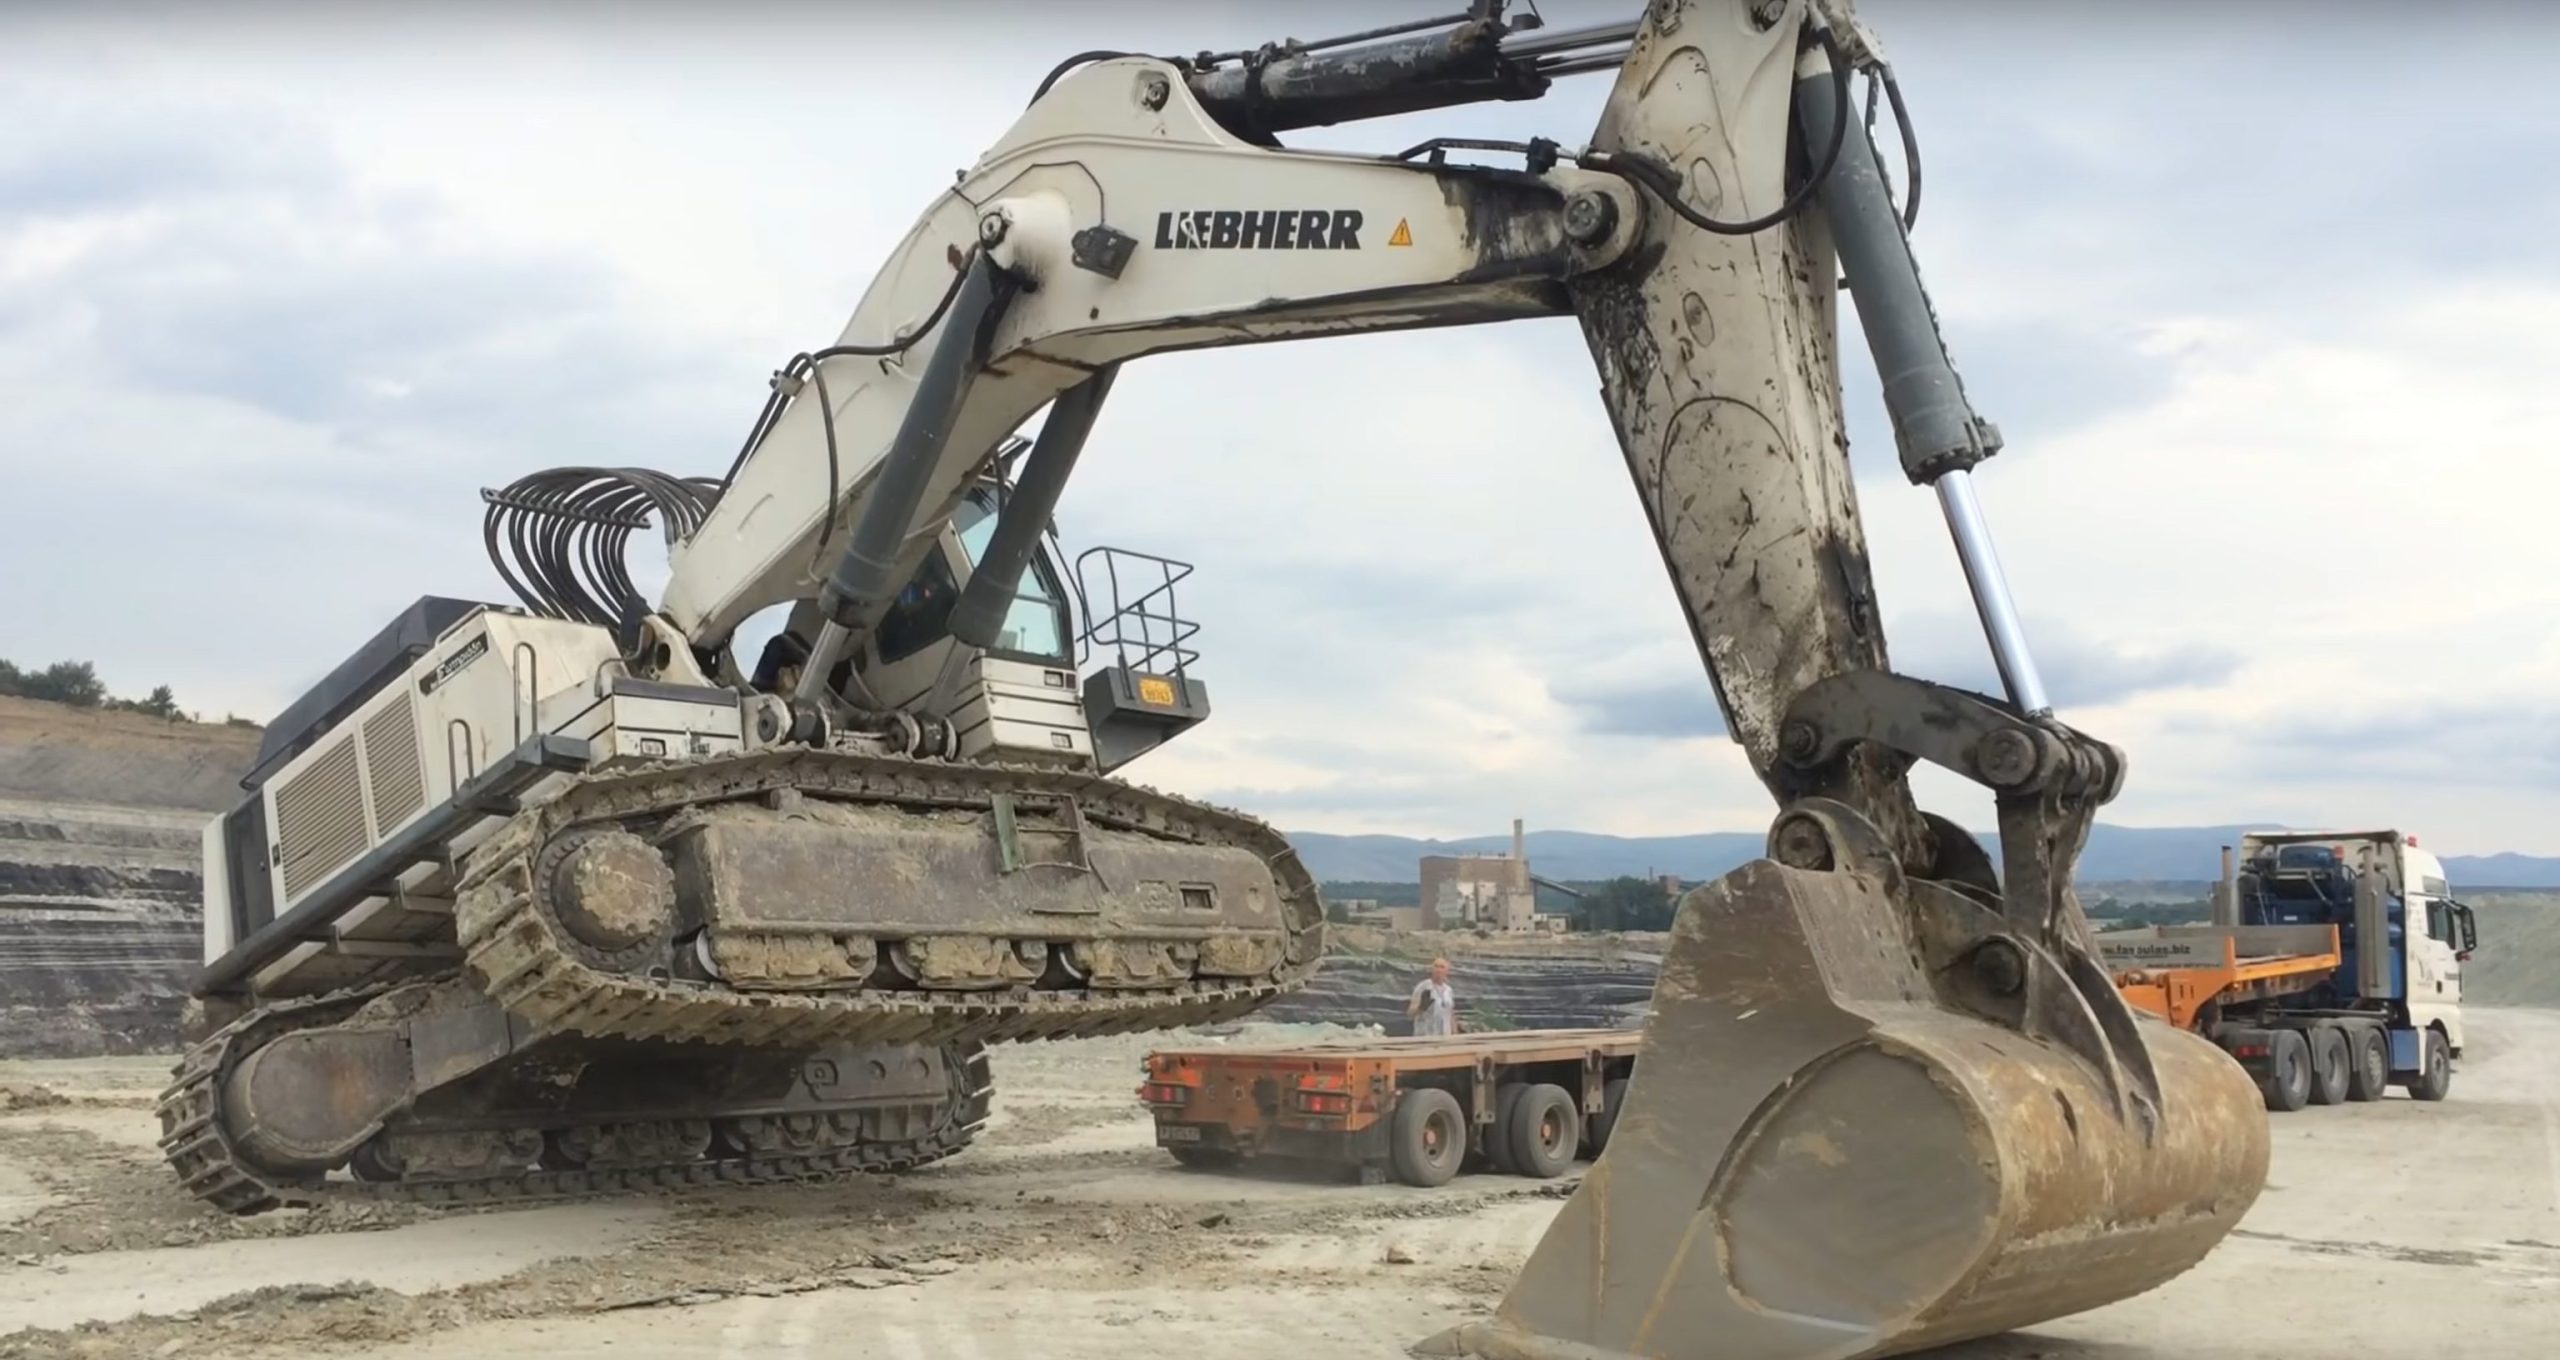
(1494,892)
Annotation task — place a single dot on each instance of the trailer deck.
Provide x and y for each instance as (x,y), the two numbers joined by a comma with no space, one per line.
(1420,1108)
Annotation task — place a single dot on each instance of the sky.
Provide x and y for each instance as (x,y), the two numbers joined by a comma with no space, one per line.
(2263,297)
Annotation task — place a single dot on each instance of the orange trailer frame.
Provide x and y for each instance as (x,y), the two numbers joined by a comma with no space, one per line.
(2181,994)
(1338,1101)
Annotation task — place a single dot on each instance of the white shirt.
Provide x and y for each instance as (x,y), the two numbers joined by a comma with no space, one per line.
(1439,1008)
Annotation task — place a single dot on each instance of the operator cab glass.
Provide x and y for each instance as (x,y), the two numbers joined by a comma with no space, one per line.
(922,614)
(1035,628)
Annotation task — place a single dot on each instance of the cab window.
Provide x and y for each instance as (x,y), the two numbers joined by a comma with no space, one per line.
(1035,627)
(922,614)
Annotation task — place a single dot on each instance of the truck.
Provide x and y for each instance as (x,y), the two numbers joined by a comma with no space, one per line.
(1519,1102)
(2332,969)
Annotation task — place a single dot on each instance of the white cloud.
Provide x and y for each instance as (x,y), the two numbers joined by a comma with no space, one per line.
(279,294)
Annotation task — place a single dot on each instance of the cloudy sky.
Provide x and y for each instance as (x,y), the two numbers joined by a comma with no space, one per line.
(2263,296)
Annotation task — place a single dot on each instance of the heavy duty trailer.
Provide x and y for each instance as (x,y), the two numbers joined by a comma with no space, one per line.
(2332,969)
(1522,1102)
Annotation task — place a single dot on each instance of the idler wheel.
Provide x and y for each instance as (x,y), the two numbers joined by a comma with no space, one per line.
(613,891)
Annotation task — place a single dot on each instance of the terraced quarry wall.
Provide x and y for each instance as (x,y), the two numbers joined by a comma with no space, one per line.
(1577,981)
(100,887)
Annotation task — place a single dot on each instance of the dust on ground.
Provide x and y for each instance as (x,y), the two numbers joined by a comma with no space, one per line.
(1066,1234)
(103,1196)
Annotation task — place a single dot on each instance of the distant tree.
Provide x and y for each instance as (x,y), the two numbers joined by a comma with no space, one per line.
(2113,915)
(1384,894)
(76,683)
(66,682)
(1627,903)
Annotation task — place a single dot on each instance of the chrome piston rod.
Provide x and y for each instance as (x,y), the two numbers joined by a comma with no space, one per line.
(1939,436)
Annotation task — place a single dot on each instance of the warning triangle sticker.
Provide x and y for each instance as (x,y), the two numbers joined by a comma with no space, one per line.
(1402,235)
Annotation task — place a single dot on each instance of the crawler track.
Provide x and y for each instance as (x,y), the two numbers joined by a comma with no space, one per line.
(531,969)
(200,1150)
(517,954)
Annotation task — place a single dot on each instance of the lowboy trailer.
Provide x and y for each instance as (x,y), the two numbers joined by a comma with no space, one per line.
(1522,1102)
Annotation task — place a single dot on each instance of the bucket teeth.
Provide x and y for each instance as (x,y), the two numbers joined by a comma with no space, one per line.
(1820,1158)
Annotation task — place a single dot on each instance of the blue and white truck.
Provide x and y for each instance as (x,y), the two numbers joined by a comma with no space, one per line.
(2332,969)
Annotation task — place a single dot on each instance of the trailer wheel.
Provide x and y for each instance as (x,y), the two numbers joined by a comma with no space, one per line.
(1206,1159)
(2331,1065)
(2288,1081)
(1596,1130)
(1427,1137)
(1546,1130)
(2435,1078)
(2370,1074)
(1497,1135)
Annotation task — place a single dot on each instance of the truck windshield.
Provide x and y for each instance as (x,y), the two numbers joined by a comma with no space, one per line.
(1035,628)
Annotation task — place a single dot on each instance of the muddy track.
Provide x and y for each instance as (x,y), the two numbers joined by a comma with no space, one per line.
(532,968)
(200,1149)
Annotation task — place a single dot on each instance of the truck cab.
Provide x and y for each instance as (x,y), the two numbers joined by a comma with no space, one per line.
(2403,936)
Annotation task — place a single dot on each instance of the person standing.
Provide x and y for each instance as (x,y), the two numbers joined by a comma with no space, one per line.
(1433,1006)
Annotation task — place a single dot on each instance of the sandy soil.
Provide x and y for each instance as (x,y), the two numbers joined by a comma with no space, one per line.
(2389,1230)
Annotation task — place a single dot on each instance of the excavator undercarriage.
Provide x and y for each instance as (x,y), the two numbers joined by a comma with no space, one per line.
(660,918)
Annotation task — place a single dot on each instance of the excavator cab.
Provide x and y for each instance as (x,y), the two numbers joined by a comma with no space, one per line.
(1020,697)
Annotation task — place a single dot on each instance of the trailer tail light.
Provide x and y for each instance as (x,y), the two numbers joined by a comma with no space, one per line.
(2250,1050)
(1165,1093)
(1324,1093)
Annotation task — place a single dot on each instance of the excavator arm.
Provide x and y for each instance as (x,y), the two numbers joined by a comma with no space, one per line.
(1118,219)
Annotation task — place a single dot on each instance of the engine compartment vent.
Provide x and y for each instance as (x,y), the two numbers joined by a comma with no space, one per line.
(320,823)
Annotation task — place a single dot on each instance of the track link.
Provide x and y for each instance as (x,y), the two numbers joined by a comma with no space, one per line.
(200,1150)
(516,951)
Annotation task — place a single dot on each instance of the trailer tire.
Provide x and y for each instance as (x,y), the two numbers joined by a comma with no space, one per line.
(1427,1137)
(2287,1086)
(1497,1135)
(2332,1065)
(2435,1073)
(1207,1158)
(1546,1130)
(2369,1074)
(1596,1129)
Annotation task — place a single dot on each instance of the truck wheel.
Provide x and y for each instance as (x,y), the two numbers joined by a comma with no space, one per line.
(1427,1138)
(2370,1074)
(1497,1135)
(2435,1078)
(1546,1129)
(2288,1081)
(1596,1130)
(1206,1159)
(2330,1065)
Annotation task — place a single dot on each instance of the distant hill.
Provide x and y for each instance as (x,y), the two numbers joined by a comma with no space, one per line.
(2115,854)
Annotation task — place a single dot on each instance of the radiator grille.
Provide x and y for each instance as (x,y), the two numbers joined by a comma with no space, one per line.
(391,762)
(320,818)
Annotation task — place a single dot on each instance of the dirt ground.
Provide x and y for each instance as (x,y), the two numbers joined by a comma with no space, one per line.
(2397,1229)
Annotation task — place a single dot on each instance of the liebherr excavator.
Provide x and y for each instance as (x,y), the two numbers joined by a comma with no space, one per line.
(550,900)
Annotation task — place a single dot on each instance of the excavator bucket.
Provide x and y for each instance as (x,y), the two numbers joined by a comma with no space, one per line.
(1820,1159)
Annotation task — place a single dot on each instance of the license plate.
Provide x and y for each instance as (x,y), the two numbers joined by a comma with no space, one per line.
(1178,1133)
